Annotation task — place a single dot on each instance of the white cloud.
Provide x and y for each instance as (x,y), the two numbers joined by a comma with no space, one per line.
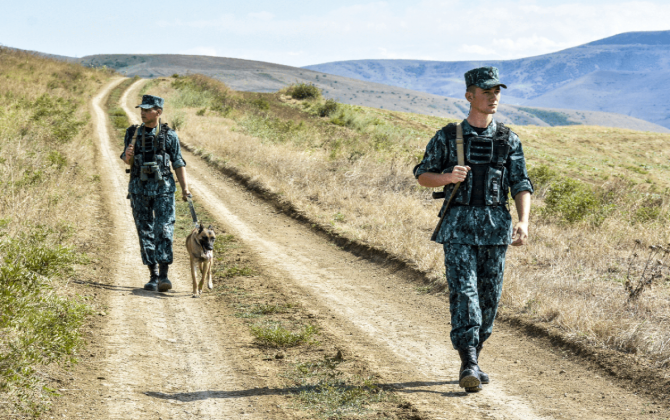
(442,30)
(265,16)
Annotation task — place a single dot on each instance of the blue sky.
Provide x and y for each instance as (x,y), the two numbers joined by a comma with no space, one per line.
(300,33)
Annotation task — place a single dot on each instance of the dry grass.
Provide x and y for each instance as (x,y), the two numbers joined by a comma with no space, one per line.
(48,183)
(351,171)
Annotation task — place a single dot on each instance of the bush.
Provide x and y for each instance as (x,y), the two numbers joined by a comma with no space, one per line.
(328,108)
(261,104)
(542,176)
(304,91)
(570,200)
(574,201)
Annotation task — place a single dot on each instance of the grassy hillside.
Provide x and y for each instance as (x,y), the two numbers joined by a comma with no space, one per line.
(348,169)
(257,76)
(45,168)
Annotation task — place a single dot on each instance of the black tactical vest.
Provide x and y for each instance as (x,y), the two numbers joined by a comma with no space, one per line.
(487,157)
(153,150)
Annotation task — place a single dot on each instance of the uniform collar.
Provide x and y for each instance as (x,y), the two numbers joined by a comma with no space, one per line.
(148,130)
(489,132)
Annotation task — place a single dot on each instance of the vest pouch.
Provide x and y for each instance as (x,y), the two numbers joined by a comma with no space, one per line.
(493,190)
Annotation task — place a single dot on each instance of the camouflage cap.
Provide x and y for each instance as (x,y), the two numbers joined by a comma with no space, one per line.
(483,77)
(151,101)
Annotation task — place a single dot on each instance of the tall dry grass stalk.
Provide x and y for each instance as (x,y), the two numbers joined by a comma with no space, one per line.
(342,171)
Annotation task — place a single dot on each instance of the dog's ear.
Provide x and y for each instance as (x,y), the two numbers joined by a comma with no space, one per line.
(201,229)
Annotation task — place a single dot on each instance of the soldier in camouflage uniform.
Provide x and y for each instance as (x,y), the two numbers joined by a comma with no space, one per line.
(478,226)
(152,188)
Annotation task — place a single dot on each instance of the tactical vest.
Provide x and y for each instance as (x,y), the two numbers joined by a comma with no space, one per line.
(486,183)
(153,150)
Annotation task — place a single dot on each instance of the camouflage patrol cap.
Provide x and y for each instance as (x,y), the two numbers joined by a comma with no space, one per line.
(151,101)
(483,77)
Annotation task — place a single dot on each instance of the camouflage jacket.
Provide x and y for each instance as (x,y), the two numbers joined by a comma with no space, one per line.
(485,225)
(154,187)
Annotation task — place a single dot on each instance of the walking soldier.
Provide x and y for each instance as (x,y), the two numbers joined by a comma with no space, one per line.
(477,226)
(149,150)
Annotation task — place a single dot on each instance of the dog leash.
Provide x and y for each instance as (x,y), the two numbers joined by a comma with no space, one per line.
(192,208)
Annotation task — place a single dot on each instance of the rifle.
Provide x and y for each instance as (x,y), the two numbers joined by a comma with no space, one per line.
(461,161)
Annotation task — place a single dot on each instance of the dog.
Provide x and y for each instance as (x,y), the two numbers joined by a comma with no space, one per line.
(200,246)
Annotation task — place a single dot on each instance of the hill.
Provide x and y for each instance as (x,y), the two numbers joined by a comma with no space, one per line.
(622,74)
(257,76)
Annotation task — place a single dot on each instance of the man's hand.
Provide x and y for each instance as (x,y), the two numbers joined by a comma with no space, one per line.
(435,180)
(520,234)
(185,194)
(130,152)
(458,174)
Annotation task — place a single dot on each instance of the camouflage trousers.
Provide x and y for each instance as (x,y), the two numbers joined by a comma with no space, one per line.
(154,219)
(475,278)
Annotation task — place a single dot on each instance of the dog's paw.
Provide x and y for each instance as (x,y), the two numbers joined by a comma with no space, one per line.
(210,286)
(195,295)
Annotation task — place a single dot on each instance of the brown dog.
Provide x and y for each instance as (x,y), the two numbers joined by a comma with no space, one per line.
(200,244)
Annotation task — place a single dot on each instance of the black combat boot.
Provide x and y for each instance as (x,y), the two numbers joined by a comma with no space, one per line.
(152,286)
(483,376)
(469,377)
(163,282)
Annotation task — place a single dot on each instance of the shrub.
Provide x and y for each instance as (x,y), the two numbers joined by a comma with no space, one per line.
(261,104)
(542,176)
(304,91)
(570,200)
(328,108)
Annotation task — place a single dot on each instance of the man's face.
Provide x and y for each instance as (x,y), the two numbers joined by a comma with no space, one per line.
(485,100)
(150,115)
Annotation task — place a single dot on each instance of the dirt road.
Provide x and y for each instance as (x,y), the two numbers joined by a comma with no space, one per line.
(163,358)
(159,355)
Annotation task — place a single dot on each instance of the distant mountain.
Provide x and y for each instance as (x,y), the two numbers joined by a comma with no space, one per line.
(259,76)
(625,74)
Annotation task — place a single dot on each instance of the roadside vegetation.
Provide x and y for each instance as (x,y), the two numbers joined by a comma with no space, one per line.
(348,170)
(47,154)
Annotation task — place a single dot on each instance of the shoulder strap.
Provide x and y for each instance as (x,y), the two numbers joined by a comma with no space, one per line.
(461,160)
(460,155)
(162,136)
(133,133)
(502,132)
(449,130)
(502,145)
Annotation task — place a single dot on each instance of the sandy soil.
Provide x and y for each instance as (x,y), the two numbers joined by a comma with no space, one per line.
(169,356)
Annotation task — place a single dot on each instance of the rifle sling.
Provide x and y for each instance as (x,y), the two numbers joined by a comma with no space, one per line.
(460,156)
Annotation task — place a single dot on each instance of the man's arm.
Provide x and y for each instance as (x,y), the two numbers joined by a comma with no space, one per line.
(181,177)
(520,232)
(433,180)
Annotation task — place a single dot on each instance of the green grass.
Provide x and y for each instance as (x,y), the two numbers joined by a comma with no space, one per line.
(321,387)
(275,335)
